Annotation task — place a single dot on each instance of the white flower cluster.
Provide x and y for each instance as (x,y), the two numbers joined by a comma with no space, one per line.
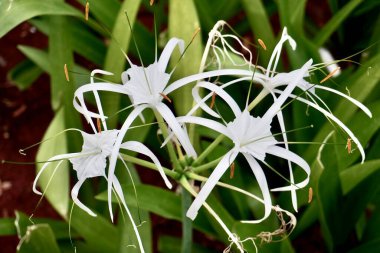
(148,87)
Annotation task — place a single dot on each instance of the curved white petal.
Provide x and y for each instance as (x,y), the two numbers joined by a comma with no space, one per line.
(115,151)
(182,136)
(167,52)
(220,92)
(204,99)
(52,159)
(119,192)
(335,119)
(262,181)
(290,156)
(210,183)
(297,76)
(74,196)
(142,149)
(352,100)
(223,72)
(205,122)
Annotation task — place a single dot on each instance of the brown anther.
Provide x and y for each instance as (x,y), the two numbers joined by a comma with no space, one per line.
(151,2)
(87,10)
(310,195)
(166,97)
(66,72)
(195,34)
(348,146)
(232,171)
(262,44)
(330,75)
(213,100)
(99,125)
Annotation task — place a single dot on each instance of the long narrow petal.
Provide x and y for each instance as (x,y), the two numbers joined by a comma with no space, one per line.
(333,118)
(182,136)
(115,151)
(291,176)
(276,106)
(54,158)
(220,92)
(204,99)
(210,183)
(215,73)
(214,125)
(167,52)
(352,100)
(262,181)
(74,196)
(119,192)
(142,149)
(289,155)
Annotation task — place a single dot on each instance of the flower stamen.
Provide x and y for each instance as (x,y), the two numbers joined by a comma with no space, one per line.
(262,44)
(66,72)
(87,10)
(166,97)
(99,125)
(232,172)
(310,197)
(213,100)
(348,146)
(330,75)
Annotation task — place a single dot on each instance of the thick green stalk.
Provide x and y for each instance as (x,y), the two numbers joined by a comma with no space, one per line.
(149,165)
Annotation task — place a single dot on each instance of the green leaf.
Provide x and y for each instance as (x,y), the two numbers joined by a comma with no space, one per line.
(55,183)
(96,231)
(372,246)
(187,228)
(7,226)
(24,74)
(335,22)
(183,22)
(13,13)
(354,175)
(39,57)
(38,238)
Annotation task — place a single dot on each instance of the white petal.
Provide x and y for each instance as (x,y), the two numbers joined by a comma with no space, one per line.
(297,76)
(289,155)
(167,52)
(352,100)
(206,97)
(215,73)
(220,92)
(115,152)
(210,183)
(214,125)
(142,149)
(74,196)
(119,192)
(182,136)
(54,158)
(335,119)
(262,181)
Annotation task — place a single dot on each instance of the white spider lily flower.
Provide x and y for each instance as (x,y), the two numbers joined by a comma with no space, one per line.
(252,138)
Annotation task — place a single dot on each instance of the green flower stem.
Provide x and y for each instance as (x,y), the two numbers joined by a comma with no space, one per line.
(149,165)
(258,99)
(208,150)
(172,154)
(207,166)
